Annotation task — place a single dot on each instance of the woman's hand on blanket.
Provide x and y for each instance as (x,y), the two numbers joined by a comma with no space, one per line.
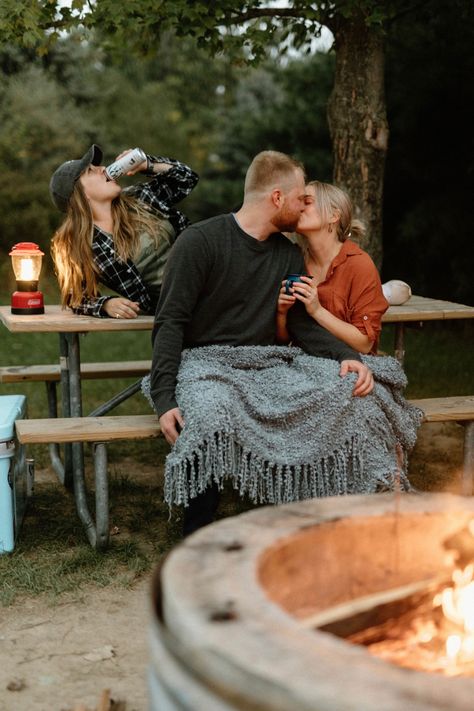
(365,380)
(171,424)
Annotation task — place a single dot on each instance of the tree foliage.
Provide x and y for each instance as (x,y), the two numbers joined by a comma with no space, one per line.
(40,124)
(53,107)
(216,115)
(246,29)
(272,107)
(224,25)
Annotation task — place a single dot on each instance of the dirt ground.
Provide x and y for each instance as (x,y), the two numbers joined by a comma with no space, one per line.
(54,658)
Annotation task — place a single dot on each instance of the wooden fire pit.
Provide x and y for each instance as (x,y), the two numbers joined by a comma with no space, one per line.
(232,603)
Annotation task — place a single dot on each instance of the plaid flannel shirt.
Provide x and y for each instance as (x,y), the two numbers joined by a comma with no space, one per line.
(160,193)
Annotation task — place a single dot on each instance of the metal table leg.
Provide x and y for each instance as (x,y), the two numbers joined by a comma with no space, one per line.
(54,450)
(400,342)
(67,478)
(101,495)
(117,399)
(80,493)
(468,468)
(97,532)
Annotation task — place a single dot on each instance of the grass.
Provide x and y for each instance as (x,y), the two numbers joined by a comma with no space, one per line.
(438,357)
(52,556)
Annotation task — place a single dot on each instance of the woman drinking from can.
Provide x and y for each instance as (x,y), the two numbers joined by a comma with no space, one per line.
(116,237)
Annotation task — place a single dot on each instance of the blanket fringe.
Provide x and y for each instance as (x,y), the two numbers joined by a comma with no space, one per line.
(221,457)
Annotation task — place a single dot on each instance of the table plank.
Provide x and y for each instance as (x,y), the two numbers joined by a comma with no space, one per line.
(420,308)
(58,320)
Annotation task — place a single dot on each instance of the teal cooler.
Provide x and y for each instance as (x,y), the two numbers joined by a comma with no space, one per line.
(16,473)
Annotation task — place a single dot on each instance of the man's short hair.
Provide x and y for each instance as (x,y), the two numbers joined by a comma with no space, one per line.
(270,169)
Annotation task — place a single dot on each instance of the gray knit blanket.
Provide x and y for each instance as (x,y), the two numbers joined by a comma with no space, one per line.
(284,426)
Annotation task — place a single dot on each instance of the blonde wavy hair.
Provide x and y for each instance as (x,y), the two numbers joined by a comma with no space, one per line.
(332,200)
(71,245)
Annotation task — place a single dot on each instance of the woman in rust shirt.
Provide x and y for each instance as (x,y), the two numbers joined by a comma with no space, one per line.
(343,292)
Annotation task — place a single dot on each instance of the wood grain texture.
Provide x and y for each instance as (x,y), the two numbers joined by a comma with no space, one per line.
(229,630)
(58,320)
(105,429)
(87,429)
(420,308)
(457,408)
(89,371)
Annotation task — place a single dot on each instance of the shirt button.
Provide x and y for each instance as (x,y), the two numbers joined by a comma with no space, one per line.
(365,318)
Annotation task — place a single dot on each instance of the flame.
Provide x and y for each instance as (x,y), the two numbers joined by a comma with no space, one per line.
(453,646)
(27,269)
(457,602)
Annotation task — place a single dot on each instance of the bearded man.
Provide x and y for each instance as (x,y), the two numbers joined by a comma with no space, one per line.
(221,288)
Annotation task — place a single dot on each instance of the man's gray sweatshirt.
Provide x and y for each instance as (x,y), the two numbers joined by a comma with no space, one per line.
(221,287)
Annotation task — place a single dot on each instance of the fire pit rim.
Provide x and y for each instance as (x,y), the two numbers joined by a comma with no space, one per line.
(236,630)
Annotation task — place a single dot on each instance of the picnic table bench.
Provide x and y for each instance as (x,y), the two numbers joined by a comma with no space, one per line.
(97,431)
(101,430)
(51,375)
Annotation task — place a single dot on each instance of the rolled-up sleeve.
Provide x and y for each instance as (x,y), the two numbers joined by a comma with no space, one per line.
(367,304)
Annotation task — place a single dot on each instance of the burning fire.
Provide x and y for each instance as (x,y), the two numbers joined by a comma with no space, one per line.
(457,603)
(27,269)
(437,633)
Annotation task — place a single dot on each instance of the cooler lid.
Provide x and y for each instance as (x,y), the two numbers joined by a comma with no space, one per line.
(12,407)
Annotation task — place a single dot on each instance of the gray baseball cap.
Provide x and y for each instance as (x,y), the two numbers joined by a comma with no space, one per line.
(63,179)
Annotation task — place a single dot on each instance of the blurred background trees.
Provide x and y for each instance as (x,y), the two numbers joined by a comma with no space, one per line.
(215,115)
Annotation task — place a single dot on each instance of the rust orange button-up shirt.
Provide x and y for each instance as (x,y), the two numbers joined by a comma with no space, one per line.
(352,291)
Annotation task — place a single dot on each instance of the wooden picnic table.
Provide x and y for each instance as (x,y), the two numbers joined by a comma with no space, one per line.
(419,309)
(58,320)
(69,326)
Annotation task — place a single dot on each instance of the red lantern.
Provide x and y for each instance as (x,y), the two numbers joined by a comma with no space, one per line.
(26,263)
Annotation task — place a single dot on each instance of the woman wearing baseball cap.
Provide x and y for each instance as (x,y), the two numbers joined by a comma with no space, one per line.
(116,237)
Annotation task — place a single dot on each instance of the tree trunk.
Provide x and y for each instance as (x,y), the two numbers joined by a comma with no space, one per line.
(358,124)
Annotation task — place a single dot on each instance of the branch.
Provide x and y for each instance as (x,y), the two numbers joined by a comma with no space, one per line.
(271,12)
(56,25)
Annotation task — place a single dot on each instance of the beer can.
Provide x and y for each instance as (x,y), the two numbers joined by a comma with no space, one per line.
(125,163)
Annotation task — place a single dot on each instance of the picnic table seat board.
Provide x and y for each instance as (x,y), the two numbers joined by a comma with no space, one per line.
(51,375)
(89,371)
(457,408)
(87,429)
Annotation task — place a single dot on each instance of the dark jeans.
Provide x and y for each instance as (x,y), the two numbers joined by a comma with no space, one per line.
(201,510)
